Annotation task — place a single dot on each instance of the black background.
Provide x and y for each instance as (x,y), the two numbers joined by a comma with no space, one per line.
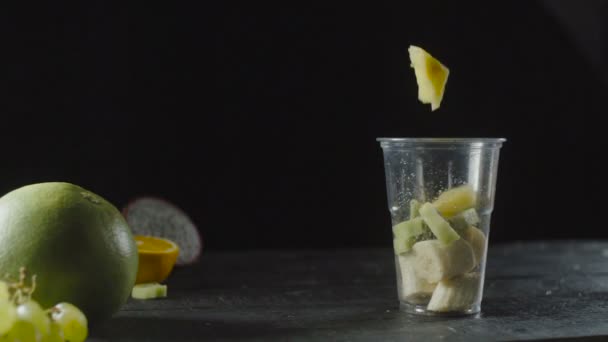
(260,120)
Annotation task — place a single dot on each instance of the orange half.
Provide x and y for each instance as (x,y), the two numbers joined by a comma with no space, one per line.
(157,257)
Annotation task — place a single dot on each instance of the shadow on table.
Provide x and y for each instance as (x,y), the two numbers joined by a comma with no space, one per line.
(357,323)
(373,322)
(352,323)
(182,329)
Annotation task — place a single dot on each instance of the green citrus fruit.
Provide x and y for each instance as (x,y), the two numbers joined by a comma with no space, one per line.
(76,243)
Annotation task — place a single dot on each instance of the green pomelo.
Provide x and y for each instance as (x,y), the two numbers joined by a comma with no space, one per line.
(76,243)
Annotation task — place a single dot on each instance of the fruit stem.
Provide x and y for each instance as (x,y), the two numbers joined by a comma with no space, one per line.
(33,288)
(51,311)
(21,292)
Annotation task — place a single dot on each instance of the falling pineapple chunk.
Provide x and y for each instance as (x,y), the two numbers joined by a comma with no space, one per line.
(431,76)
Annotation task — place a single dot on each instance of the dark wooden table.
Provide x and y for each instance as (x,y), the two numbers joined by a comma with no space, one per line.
(539,290)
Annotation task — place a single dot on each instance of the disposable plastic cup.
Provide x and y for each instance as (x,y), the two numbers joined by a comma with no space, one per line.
(446,183)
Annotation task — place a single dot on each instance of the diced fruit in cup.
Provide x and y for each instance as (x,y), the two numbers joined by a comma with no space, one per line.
(462,221)
(478,242)
(403,245)
(455,294)
(438,225)
(455,200)
(437,250)
(435,261)
(407,233)
(411,287)
(470,216)
(409,228)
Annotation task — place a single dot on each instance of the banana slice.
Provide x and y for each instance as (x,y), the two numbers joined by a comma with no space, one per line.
(412,288)
(456,294)
(435,261)
(431,76)
(478,242)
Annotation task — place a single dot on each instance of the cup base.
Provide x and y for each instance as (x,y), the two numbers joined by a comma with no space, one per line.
(422,311)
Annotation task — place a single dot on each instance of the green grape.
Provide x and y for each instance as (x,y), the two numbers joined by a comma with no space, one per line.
(4,294)
(31,312)
(22,331)
(72,321)
(8,316)
(55,334)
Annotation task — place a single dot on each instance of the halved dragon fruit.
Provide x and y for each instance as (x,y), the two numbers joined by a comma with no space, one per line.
(154,216)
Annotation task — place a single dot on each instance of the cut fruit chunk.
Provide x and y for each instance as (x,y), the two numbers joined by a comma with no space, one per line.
(439,226)
(470,216)
(409,228)
(456,294)
(156,217)
(431,76)
(455,200)
(157,257)
(402,245)
(465,219)
(414,207)
(477,240)
(411,287)
(406,234)
(435,261)
(149,291)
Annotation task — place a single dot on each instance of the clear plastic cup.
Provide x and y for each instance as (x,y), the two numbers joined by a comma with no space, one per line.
(441,196)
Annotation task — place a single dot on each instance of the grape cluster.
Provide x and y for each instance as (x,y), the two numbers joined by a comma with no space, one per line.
(23,319)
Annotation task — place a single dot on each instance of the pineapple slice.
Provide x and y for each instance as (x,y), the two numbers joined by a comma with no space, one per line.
(149,291)
(431,76)
(477,240)
(455,200)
